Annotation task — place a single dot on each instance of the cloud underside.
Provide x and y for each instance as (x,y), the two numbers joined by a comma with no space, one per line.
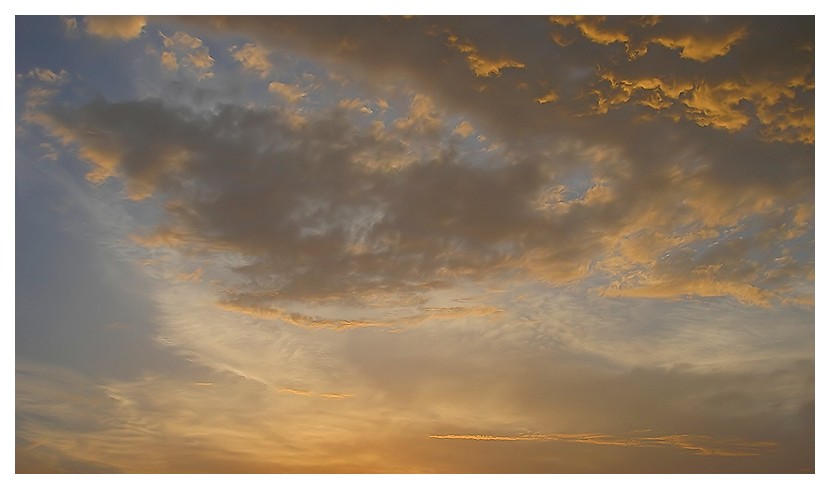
(317,209)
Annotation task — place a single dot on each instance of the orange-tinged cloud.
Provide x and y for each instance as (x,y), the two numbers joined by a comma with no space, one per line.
(702,283)
(181,39)
(701,48)
(549,97)
(593,28)
(253,58)
(332,396)
(291,93)
(186,50)
(119,27)
(464,129)
(721,105)
(168,61)
(311,322)
(423,116)
(194,276)
(296,392)
(638,33)
(482,66)
(336,396)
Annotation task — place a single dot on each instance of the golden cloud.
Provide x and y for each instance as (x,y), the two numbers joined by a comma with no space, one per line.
(292,93)
(118,27)
(253,58)
(482,66)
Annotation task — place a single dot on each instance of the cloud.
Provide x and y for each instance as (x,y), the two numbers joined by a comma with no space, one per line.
(194,276)
(360,105)
(594,28)
(427,221)
(70,25)
(348,262)
(189,51)
(259,308)
(446,378)
(729,105)
(703,43)
(48,76)
(702,48)
(480,65)
(169,61)
(423,117)
(549,97)
(123,27)
(305,393)
(298,392)
(700,445)
(464,129)
(291,93)
(253,58)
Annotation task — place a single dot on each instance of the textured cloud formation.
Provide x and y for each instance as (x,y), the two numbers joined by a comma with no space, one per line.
(714,39)
(390,244)
(441,219)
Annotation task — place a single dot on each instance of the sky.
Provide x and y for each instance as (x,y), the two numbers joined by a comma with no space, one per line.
(397,244)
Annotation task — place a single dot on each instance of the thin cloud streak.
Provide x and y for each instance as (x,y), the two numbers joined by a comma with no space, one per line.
(700,445)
